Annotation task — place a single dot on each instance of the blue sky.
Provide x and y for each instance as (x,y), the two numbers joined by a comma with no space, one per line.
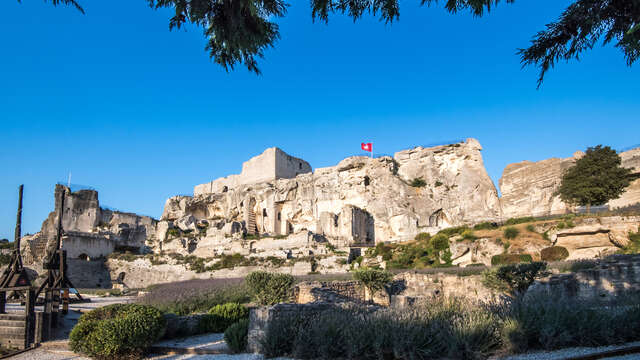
(142,114)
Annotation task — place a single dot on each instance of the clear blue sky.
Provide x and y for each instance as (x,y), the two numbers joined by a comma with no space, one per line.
(141,113)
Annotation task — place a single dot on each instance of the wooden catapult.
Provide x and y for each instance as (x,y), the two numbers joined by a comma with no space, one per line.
(16,285)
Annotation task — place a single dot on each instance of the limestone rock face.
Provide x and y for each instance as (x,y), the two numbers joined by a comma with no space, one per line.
(596,237)
(528,188)
(359,202)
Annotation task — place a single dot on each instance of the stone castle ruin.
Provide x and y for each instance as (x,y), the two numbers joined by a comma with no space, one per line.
(279,208)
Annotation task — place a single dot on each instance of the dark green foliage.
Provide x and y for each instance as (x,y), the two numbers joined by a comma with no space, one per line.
(453,231)
(270,288)
(117,331)
(5,244)
(220,317)
(236,336)
(445,328)
(554,253)
(440,242)
(531,228)
(503,259)
(438,183)
(383,250)
(373,279)
(65,2)
(511,233)
(418,182)
(452,329)
(548,322)
(5,259)
(581,27)
(596,178)
(545,235)
(520,220)
(238,31)
(231,261)
(634,243)
(575,265)
(485,226)
(519,277)
(423,236)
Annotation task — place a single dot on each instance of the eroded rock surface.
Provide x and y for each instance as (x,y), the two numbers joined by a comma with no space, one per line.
(529,188)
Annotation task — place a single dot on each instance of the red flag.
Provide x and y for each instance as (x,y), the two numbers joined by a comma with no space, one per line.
(367,147)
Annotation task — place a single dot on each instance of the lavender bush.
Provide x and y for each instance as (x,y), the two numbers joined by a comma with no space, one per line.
(196,296)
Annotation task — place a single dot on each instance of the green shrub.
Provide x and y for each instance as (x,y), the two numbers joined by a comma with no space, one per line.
(423,236)
(444,328)
(383,250)
(5,259)
(440,242)
(373,279)
(505,259)
(453,231)
(270,288)
(548,322)
(117,331)
(519,277)
(521,220)
(236,336)
(468,235)
(438,183)
(173,233)
(511,233)
(545,235)
(633,247)
(485,226)
(531,228)
(220,317)
(418,182)
(554,253)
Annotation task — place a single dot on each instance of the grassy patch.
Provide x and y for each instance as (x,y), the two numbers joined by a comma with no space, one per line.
(193,296)
(520,220)
(511,233)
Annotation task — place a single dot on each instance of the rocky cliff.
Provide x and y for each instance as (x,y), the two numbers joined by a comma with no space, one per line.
(528,188)
(358,202)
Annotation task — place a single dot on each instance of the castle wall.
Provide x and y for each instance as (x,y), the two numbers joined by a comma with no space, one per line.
(272,164)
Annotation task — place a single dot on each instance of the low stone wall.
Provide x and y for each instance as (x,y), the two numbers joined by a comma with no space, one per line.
(260,318)
(180,326)
(409,287)
(329,291)
(89,274)
(611,277)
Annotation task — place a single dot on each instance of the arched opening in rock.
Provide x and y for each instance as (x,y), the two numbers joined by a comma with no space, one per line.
(438,219)
(84,257)
(367,181)
(225,189)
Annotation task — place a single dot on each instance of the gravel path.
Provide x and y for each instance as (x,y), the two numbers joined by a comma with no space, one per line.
(571,352)
(206,342)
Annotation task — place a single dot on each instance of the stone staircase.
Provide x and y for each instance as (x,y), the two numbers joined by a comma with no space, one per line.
(251,223)
(13,330)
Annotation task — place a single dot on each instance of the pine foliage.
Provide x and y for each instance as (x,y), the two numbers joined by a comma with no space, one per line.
(595,178)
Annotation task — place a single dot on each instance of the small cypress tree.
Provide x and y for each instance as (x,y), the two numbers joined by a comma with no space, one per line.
(595,179)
